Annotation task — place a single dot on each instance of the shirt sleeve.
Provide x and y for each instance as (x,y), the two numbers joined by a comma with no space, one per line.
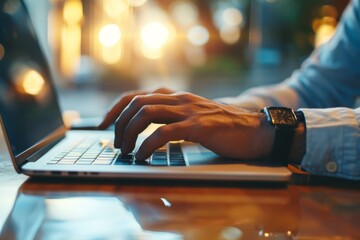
(326,87)
(332,142)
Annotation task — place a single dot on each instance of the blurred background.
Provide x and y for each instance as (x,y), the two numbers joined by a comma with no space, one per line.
(101,48)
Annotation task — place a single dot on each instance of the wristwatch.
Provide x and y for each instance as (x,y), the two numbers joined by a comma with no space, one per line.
(285,121)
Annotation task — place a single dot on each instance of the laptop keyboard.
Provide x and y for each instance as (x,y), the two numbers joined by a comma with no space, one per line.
(95,152)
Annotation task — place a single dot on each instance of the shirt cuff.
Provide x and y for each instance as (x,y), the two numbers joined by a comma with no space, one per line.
(332,142)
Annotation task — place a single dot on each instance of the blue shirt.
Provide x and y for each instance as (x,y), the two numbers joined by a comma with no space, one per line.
(325,88)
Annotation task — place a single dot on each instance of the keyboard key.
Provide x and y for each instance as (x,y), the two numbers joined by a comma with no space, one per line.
(177,159)
(85,160)
(83,163)
(159,159)
(142,162)
(66,162)
(175,148)
(124,159)
(52,162)
(70,158)
(159,162)
(102,162)
(176,156)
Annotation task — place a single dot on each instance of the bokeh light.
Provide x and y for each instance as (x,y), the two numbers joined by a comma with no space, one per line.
(198,35)
(114,8)
(230,35)
(324,29)
(136,3)
(30,82)
(324,33)
(109,35)
(185,13)
(154,35)
(73,11)
(112,55)
(152,53)
(232,17)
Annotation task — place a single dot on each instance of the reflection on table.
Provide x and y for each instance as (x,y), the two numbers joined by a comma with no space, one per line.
(139,210)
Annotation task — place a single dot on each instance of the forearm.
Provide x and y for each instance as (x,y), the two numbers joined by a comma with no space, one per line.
(260,97)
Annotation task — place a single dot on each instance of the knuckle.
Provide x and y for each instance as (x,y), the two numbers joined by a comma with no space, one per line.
(127,98)
(184,96)
(161,90)
(136,101)
(161,133)
(146,110)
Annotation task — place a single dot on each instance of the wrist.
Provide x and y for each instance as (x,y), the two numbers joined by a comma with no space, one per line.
(267,137)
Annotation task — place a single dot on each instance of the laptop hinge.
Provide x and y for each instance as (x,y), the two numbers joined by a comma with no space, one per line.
(38,154)
(46,143)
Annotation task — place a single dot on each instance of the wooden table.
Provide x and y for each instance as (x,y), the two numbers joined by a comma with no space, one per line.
(306,208)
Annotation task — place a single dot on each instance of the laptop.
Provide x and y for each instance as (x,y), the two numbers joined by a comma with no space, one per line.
(40,144)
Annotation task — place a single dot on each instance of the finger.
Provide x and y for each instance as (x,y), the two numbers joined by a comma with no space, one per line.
(147,115)
(118,107)
(163,91)
(134,107)
(161,136)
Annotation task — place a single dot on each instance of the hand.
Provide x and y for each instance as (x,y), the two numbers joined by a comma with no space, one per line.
(119,105)
(226,130)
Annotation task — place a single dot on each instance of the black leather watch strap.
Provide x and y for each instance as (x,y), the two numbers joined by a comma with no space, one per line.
(282,144)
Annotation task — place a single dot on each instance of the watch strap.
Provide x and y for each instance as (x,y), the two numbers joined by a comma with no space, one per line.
(284,131)
(282,144)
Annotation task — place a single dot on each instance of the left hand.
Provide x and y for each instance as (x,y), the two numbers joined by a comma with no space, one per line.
(226,130)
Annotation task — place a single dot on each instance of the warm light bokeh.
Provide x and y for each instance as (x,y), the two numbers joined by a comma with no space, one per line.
(230,35)
(72,12)
(185,13)
(232,17)
(71,36)
(154,35)
(136,3)
(151,53)
(198,35)
(114,8)
(112,55)
(30,82)
(109,35)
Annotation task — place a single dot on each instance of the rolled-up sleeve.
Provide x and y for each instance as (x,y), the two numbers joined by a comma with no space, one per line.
(332,142)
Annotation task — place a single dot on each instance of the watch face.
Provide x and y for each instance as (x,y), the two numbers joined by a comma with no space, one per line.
(282,116)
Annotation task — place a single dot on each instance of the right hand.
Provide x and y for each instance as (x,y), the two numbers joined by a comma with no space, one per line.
(120,104)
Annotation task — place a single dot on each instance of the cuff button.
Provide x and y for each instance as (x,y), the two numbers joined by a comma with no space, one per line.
(331,167)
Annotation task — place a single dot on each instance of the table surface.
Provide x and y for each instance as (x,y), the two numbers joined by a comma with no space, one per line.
(305,208)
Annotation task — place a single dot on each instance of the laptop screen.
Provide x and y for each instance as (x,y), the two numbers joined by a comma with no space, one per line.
(28,104)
